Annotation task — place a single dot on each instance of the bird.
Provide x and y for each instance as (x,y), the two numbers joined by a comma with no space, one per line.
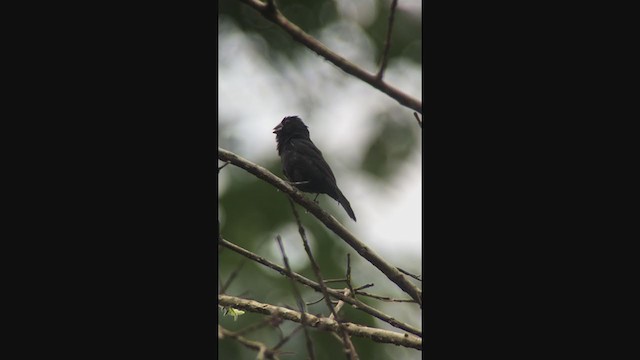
(303,163)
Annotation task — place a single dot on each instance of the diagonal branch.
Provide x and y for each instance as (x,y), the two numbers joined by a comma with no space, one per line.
(357,304)
(322,323)
(287,338)
(329,221)
(274,15)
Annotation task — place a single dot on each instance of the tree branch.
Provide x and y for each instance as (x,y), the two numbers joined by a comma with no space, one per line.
(385,298)
(329,221)
(417,118)
(254,345)
(357,304)
(321,323)
(275,16)
(387,44)
(287,338)
(349,349)
(339,306)
(303,318)
(417,277)
(222,167)
(233,275)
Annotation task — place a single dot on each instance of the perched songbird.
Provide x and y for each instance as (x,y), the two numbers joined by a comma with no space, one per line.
(303,164)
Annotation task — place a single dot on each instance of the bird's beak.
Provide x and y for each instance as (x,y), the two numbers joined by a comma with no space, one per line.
(277,128)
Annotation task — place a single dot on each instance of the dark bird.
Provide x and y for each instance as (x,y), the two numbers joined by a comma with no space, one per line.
(303,164)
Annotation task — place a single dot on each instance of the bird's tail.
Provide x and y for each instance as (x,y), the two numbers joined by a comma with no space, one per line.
(345,204)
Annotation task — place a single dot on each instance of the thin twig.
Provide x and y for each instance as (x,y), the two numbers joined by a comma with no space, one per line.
(315,302)
(385,298)
(387,44)
(349,349)
(254,327)
(417,118)
(272,321)
(417,277)
(352,292)
(254,345)
(323,323)
(221,167)
(303,319)
(329,221)
(335,280)
(313,44)
(233,275)
(346,292)
(364,286)
(312,284)
(286,338)
(236,271)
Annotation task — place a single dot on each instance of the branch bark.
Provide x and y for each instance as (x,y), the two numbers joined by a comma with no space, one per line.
(357,304)
(274,15)
(321,323)
(329,221)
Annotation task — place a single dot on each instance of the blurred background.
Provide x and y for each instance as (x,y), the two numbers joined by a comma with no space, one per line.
(372,143)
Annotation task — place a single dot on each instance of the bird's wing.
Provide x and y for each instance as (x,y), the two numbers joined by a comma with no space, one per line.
(307,149)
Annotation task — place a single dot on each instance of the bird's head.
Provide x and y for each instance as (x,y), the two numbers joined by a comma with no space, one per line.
(291,125)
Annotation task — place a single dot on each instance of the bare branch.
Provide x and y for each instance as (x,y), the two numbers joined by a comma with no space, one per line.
(286,338)
(349,349)
(310,42)
(387,44)
(417,118)
(254,327)
(222,167)
(417,277)
(363,287)
(233,275)
(351,291)
(301,306)
(346,292)
(335,280)
(310,283)
(254,345)
(385,298)
(321,323)
(339,306)
(329,221)
(315,302)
